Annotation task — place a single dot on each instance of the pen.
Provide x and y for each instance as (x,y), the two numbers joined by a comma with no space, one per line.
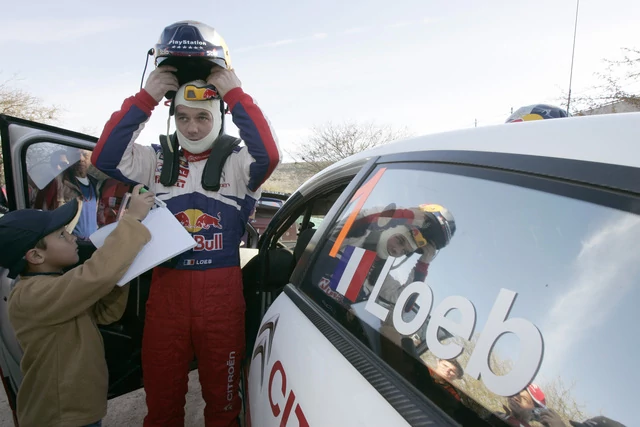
(158,201)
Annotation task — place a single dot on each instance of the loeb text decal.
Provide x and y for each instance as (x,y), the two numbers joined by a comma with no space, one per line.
(498,324)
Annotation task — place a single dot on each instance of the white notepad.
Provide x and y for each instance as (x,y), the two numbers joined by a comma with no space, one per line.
(168,239)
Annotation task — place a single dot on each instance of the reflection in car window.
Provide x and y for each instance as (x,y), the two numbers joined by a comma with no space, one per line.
(4,203)
(57,174)
(515,315)
(47,160)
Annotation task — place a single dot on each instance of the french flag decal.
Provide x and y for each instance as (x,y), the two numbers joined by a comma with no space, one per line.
(351,272)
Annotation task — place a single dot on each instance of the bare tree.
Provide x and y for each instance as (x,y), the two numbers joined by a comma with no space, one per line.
(616,78)
(22,104)
(91,131)
(559,395)
(332,142)
(288,177)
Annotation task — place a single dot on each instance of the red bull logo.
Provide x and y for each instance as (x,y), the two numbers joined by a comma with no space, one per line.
(209,94)
(194,220)
(214,244)
(207,221)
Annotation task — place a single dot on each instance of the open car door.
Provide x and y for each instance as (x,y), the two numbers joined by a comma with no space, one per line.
(33,155)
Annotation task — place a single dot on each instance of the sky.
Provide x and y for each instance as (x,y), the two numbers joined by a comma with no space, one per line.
(425,66)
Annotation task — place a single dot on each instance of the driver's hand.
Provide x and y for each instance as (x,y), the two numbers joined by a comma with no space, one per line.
(160,81)
(428,253)
(224,80)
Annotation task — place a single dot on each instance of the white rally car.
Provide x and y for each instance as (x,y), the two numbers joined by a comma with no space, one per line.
(528,316)
(480,277)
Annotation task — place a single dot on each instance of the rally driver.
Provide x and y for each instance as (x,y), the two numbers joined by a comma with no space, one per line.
(386,233)
(196,304)
(401,232)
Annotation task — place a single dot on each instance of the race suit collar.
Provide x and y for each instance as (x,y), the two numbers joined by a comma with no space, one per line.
(196,157)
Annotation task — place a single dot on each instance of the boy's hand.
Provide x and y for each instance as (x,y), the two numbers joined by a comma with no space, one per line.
(224,80)
(140,203)
(160,81)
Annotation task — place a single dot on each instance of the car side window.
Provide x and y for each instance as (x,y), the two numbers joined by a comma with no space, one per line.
(509,299)
(311,218)
(56,174)
(266,207)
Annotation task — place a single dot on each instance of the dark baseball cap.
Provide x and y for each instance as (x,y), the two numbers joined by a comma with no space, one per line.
(597,422)
(21,230)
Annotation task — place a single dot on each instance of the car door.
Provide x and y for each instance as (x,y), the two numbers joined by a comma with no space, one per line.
(272,381)
(294,371)
(519,315)
(31,161)
(284,241)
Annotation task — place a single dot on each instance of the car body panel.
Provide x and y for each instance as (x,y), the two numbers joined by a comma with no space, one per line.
(331,393)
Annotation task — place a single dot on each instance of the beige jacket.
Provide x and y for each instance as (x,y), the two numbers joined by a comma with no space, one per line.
(55,318)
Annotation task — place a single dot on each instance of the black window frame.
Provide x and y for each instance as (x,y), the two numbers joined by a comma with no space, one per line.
(10,162)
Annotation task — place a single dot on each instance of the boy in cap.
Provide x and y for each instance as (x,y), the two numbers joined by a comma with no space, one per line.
(55,314)
(521,408)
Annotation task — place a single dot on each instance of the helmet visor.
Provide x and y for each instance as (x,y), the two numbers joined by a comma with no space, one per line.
(176,59)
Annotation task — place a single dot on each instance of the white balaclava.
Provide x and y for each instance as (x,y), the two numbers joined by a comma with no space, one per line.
(212,106)
(383,251)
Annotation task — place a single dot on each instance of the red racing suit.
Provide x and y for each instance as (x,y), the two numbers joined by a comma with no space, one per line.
(197,307)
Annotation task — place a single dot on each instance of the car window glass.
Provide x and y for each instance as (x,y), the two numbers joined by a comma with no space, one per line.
(316,209)
(264,211)
(508,299)
(57,174)
(315,221)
